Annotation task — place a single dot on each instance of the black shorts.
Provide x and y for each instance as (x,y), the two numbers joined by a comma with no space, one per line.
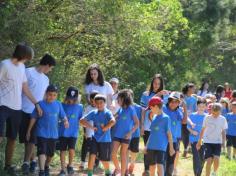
(178,145)
(231,141)
(101,149)
(212,150)
(46,146)
(24,128)
(134,145)
(156,157)
(66,143)
(12,119)
(121,140)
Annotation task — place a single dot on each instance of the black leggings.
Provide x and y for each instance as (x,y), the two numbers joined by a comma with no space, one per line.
(145,139)
(170,160)
(185,136)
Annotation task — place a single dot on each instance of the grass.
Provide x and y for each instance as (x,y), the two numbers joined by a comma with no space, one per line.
(227,168)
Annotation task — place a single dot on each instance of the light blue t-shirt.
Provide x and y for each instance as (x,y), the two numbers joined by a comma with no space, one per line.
(224,112)
(74,114)
(231,119)
(100,118)
(191,103)
(158,139)
(138,110)
(146,96)
(176,117)
(124,121)
(197,119)
(47,124)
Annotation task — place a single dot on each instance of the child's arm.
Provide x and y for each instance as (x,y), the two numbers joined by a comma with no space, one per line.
(171,147)
(199,143)
(31,124)
(195,133)
(142,121)
(86,124)
(110,124)
(223,137)
(136,125)
(185,113)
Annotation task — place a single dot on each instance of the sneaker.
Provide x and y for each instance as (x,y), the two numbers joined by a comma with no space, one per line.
(41,173)
(70,170)
(213,174)
(81,167)
(131,168)
(145,173)
(116,172)
(33,165)
(25,169)
(11,170)
(47,171)
(62,173)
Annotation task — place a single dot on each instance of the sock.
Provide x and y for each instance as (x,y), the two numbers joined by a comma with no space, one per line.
(107,172)
(90,172)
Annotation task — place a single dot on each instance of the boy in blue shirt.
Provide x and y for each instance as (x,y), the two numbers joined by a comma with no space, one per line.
(197,118)
(68,136)
(231,132)
(103,120)
(47,128)
(159,138)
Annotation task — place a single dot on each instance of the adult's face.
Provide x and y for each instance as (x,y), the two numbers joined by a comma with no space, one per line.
(156,84)
(114,85)
(94,74)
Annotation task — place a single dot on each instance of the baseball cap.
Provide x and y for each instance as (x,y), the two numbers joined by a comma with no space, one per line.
(116,80)
(52,88)
(72,93)
(154,101)
(174,95)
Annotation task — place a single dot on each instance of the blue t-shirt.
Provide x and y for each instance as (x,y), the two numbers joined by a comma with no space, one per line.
(100,118)
(231,119)
(191,103)
(145,98)
(124,121)
(224,112)
(73,113)
(138,110)
(197,119)
(47,125)
(176,117)
(158,139)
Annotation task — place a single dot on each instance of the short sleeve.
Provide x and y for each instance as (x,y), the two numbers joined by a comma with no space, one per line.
(225,124)
(205,122)
(168,125)
(34,114)
(62,113)
(143,101)
(109,90)
(80,111)
(180,115)
(109,115)
(89,116)
(195,105)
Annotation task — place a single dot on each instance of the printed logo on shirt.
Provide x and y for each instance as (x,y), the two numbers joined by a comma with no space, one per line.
(72,116)
(156,128)
(174,123)
(124,117)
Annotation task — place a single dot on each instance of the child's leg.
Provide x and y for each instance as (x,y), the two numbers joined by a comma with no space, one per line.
(91,164)
(208,166)
(84,149)
(216,162)
(42,161)
(133,157)
(152,170)
(145,139)
(229,152)
(176,161)
(234,152)
(48,161)
(62,158)
(29,148)
(123,154)
(71,156)
(106,166)
(115,149)
(160,170)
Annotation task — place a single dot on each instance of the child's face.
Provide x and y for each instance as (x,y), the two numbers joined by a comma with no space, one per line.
(201,107)
(71,101)
(173,104)
(215,114)
(120,101)
(191,90)
(51,96)
(100,104)
(233,108)
(155,109)
(92,101)
(47,69)
(223,104)
(114,86)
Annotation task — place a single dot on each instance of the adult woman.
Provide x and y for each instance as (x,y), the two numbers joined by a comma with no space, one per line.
(204,89)
(94,81)
(220,92)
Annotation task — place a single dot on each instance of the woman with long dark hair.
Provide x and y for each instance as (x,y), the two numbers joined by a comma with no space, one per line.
(204,89)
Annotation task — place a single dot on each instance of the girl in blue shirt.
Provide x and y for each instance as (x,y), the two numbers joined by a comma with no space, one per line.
(126,124)
(68,137)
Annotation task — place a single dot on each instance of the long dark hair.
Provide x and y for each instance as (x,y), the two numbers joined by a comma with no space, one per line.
(126,97)
(187,87)
(202,87)
(157,76)
(88,78)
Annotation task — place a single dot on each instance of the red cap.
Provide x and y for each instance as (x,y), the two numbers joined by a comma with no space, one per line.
(154,101)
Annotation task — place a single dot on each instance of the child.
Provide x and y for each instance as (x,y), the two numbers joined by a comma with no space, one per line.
(159,137)
(231,132)
(126,125)
(68,137)
(197,118)
(175,113)
(47,128)
(103,120)
(213,135)
(134,143)
(225,106)
(88,133)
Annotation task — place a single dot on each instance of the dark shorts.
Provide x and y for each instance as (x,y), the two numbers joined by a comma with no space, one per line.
(12,119)
(24,128)
(177,145)
(231,141)
(121,140)
(101,149)
(156,157)
(134,145)
(66,143)
(212,150)
(46,146)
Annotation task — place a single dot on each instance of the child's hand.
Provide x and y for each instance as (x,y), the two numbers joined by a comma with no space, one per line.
(104,128)
(198,146)
(145,151)
(39,110)
(66,124)
(193,125)
(95,128)
(28,136)
(128,135)
(172,151)
(195,133)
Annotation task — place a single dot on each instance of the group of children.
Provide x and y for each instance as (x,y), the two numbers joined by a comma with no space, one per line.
(112,124)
